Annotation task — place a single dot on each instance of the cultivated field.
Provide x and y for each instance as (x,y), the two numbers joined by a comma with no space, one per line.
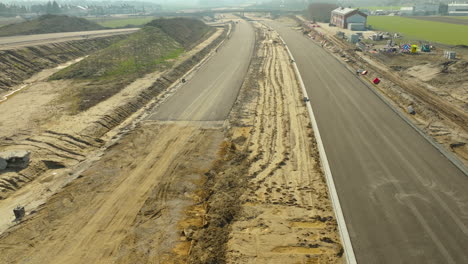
(421,30)
(443,19)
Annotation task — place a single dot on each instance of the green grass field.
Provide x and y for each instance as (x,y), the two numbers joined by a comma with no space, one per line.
(458,17)
(122,22)
(444,33)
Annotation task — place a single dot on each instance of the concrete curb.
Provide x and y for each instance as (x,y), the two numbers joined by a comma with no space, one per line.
(346,240)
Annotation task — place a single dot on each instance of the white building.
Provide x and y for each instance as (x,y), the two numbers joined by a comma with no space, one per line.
(458,9)
(407,11)
(426,9)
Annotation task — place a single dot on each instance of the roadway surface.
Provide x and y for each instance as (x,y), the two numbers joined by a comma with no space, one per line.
(40,39)
(402,200)
(210,94)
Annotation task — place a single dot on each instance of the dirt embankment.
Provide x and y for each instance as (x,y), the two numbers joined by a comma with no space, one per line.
(186,31)
(172,192)
(125,208)
(18,65)
(434,86)
(115,116)
(49,24)
(153,48)
(63,140)
(266,199)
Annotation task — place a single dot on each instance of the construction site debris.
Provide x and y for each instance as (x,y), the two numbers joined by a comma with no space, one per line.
(410,110)
(19,213)
(451,55)
(17,159)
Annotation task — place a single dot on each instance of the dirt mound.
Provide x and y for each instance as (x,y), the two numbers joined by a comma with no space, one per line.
(49,24)
(20,64)
(112,68)
(116,116)
(153,48)
(186,31)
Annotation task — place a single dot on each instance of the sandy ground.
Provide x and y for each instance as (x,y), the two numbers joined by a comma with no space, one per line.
(125,207)
(286,215)
(28,106)
(60,148)
(250,189)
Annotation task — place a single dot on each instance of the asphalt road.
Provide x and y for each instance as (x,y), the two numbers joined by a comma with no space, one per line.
(210,94)
(403,201)
(39,39)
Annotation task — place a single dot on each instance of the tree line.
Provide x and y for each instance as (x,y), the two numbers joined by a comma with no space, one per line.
(14,10)
(54,8)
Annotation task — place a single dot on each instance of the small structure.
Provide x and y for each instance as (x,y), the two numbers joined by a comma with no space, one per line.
(19,213)
(407,11)
(451,55)
(17,159)
(425,48)
(340,34)
(353,38)
(356,26)
(341,17)
(426,9)
(405,47)
(458,9)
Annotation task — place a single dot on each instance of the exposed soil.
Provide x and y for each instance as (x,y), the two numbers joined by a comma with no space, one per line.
(269,190)
(49,24)
(20,64)
(37,118)
(153,48)
(124,208)
(287,216)
(248,191)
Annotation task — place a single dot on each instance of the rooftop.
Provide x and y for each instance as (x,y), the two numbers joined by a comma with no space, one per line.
(343,11)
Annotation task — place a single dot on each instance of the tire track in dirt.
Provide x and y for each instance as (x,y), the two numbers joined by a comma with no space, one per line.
(125,208)
(286,216)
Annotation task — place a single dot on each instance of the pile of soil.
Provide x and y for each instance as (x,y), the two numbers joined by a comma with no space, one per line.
(153,48)
(49,24)
(18,65)
(186,31)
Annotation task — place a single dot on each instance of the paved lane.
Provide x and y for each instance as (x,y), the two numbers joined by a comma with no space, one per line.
(210,94)
(39,39)
(403,201)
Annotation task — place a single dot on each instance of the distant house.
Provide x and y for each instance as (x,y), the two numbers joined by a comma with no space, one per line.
(426,9)
(458,9)
(406,11)
(341,17)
